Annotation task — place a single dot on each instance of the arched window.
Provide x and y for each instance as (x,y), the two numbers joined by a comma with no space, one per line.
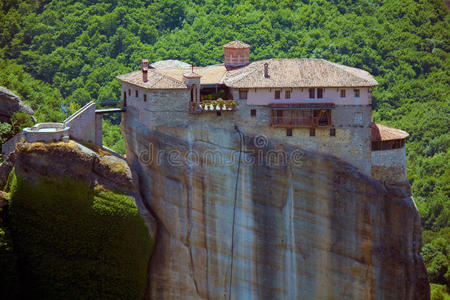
(194,93)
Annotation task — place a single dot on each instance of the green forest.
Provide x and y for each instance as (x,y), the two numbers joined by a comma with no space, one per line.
(66,51)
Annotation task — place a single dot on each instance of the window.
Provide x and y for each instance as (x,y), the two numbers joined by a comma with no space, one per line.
(137,93)
(145,97)
(322,117)
(312,93)
(253,112)
(312,132)
(358,118)
(194,93)
(124,99)
(287,94)
(129,92)
(332,131)
(277,94)
(320,93)
(288,131)
(279,113)
(219,113)
(242,94)
(356,91)
(342,93)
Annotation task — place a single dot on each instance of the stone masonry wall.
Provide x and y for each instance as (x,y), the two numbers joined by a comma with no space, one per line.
(389,165)
(170,109)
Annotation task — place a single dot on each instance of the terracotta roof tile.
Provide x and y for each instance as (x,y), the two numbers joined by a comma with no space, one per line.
(209,75)
(170,64)
(302,72)
(156,81)
(385,133)
(236,45)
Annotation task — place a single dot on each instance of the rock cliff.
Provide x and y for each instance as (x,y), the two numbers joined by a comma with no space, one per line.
(9,104)
(73,222)
(92,165)
(235,221)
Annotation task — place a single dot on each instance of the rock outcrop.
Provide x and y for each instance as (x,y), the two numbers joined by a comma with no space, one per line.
(9,104)
(93,165)
(236,222)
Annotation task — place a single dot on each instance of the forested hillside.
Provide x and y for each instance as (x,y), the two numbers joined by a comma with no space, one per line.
(63,51)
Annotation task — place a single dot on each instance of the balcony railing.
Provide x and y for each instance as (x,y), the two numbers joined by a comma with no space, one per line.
(294,122)
(317,118)
(214,105)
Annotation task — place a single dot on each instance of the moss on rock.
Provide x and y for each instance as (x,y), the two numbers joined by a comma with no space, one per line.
(76,242)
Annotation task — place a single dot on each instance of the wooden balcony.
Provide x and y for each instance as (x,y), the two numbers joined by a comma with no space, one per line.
(304,118)
(210,106)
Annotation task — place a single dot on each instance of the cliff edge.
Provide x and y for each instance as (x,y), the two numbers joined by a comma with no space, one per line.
(10,103)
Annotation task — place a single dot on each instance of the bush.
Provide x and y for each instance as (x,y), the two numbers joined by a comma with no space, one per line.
(439,292)
(75,242)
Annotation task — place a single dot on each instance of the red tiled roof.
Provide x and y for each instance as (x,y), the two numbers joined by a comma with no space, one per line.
(382,133)
(302,72)
(209,75)
(283,73)
(236,45)
(156,81)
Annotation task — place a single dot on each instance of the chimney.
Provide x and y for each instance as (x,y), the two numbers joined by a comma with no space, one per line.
(236,54)
(266,70)
(144,69)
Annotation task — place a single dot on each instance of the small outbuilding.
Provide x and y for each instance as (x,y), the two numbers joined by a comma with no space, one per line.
(388,154)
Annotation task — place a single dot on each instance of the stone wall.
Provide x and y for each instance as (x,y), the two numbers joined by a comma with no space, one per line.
(83,124)
(170,109)
(389,165)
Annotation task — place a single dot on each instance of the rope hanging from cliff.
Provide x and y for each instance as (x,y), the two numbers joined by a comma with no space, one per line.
(241,141)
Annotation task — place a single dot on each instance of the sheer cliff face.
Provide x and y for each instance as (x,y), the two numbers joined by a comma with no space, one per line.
(312,228)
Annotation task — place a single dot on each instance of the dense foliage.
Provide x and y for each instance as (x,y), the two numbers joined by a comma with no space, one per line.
(69,51)
(75,242)
(19,120)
